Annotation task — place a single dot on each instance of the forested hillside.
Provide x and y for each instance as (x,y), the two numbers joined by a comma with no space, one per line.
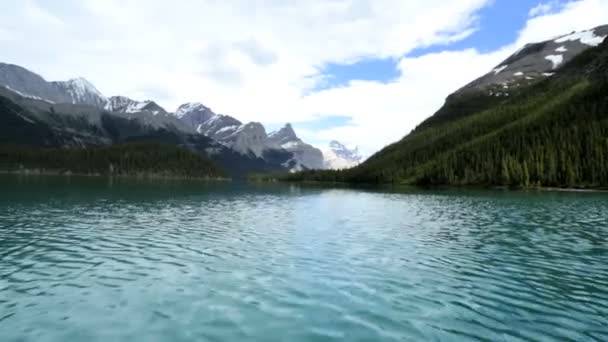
(135,159)
(553,133)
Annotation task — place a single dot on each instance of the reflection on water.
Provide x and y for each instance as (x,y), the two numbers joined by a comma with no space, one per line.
(92,259)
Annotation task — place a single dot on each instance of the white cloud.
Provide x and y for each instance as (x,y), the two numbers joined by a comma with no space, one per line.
(254,60)
(384,113)
(258,60)
(572,16)
(38,16)
(544,8)
(5,35)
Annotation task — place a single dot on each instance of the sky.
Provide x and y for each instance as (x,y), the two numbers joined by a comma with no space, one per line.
(363,72)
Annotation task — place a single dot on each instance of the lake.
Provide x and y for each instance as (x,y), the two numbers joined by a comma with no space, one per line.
(94,259)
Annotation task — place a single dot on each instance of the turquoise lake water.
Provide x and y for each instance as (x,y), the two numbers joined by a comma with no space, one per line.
(85,259)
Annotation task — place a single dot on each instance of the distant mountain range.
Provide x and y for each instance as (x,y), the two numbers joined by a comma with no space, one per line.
(539,118)
(75,113)
(338,156)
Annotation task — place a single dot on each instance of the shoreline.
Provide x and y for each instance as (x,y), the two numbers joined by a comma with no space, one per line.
(152,176)
(438,187)
(148,176)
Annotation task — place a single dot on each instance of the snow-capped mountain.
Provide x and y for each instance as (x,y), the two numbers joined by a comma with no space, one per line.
(31,85)
(218,126)
(81,91)
(250,137)
(243,138)
(194,113)
(337,156)
(536,61)
(305,156)
(146,112)
(125,105)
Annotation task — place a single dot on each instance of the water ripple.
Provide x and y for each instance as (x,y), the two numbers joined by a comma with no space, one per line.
(245,263)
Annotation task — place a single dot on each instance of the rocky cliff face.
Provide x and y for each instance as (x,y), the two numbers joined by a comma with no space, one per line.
(305,156)
(81,91)
(194,114)
(250,137)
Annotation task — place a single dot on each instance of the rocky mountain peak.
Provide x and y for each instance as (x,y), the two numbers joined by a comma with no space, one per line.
(284,135)
(29,84)
(80,91)
(194,114)
(536,61)
(123,104)
(336,145)
(191,107)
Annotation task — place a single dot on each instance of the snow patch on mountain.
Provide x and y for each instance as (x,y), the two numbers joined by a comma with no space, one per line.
(557,60)
(499,69)
(27,95)
(585,37)
(337,156)
(191,107)
(123,104)
(536,60)
(81,91)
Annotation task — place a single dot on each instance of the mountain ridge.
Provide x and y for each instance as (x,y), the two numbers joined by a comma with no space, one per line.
(78,99)
(549,133)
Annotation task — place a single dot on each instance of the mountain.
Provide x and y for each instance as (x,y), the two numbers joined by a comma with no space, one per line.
(74,113)
(305,156)
(40,124)
(251,138)
(247,138)
(80,91)
(30,85)
(41,114)
(536,61)
(193,114)
(337,156)
(125,105)
(146,112)
(550,131)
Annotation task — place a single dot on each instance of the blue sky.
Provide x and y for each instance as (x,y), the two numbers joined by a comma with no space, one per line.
(498,25)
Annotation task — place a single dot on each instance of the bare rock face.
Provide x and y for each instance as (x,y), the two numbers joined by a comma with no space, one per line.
(146,112)
(250,138)
(536,61)
(81,91)
(306,156)
(247,138)
(194,113)
(218,127)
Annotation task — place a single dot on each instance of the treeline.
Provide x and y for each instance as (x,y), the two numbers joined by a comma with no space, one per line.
(134,159)
(566,146)
(552,134)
